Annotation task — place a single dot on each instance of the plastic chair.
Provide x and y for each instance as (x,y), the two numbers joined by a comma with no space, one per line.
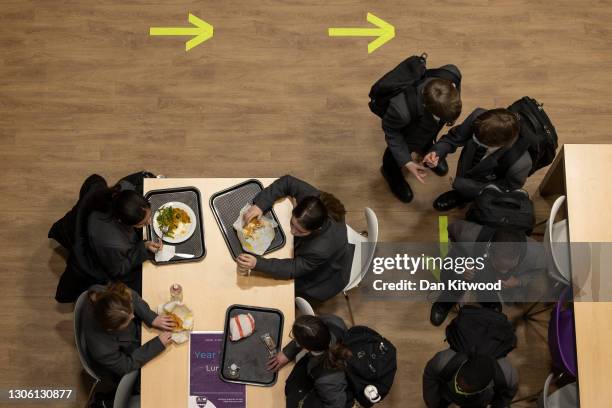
(361,260)
(123,395)
(304,307)
(564,397)
(81,347)
(561,335)
(558,255)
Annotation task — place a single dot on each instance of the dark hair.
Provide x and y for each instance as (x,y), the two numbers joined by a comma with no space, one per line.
(311,333)
(508,244)
(496,127)
(335,208)
(476,373)
(310,213)
(442,99)
(112,307)
(129,207)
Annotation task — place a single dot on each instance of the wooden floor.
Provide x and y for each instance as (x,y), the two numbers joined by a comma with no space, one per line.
(84,89)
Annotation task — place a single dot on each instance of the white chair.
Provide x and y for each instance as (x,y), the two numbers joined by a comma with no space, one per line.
(564,397)
(364,253)
(123,395)
(304,307)
(557,254)
(79,340)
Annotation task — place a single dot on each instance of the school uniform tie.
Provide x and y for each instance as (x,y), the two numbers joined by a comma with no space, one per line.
(478,155)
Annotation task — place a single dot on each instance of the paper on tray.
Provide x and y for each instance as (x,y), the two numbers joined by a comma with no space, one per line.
(262,238)
(166,253)
(184,313)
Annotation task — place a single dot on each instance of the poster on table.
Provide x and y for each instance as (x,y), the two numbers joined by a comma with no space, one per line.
(206,390)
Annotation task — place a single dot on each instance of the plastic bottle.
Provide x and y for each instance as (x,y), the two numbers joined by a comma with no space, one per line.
(176,292)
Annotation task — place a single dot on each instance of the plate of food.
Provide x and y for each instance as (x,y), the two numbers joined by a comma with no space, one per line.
(178,218)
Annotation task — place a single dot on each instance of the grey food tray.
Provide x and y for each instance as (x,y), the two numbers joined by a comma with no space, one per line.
(190,196)
(250,353)
(226,206)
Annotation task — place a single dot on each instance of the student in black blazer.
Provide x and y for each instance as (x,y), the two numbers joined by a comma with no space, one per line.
(111,322)
(115,242)
(322,260)
(413,129)
(319,378)
(486,136)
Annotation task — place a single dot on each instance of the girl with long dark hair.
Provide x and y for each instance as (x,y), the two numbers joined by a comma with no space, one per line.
(319,378)
(322,260)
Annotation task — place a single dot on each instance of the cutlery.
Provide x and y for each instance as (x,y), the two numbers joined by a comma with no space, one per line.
(187,256)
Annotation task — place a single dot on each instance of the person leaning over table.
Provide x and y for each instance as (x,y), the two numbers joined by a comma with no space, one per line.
(322,260)
(115,238)
(111,326)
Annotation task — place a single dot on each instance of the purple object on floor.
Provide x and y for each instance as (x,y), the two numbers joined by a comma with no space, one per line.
(562,336)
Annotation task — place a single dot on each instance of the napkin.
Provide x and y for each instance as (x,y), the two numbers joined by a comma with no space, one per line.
(165,254)
(263,237)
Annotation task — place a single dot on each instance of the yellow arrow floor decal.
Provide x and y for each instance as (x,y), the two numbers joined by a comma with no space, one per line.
(201,31)
(384,32)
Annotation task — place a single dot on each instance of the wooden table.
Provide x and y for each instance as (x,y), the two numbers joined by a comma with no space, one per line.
(584,174)
(209,287)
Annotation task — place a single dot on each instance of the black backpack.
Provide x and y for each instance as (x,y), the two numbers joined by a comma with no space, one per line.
(448,373)
(405,78)
(537,136)
(509,209)
(374,362)
(481,330)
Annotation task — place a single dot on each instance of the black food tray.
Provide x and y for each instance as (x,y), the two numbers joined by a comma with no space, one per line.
(226,206)
(190,196)
(250,353)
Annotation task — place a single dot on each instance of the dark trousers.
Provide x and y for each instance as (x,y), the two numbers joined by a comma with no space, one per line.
(393,171)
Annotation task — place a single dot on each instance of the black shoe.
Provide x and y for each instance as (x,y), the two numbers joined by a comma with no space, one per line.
(398,187)
(439,311)
(449,200)
(441,169)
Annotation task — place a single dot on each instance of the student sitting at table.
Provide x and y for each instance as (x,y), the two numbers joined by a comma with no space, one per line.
(111,325)
(319,378)
(469,381)
(115,239)
(322,259)
(510,256)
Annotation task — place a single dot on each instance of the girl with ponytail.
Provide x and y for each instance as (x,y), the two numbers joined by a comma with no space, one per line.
(322,260)
(325,362)
(111,322)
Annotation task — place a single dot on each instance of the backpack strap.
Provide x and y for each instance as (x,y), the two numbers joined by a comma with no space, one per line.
(511,156)
(410,94)
(485,234)
(452,366)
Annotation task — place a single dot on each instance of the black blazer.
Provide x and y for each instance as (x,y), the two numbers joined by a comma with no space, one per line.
(322,261)
(330,386)
(117,353)
(470,180)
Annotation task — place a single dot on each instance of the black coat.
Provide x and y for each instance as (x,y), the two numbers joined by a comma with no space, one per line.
(470,180)
(322,261)
(330,386)
(117,353)
(405,134)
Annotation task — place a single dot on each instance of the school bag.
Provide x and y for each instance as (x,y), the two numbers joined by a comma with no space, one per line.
(481,330)
(405,78)
(447,375)
(537,136)
(496,208)
(374,362)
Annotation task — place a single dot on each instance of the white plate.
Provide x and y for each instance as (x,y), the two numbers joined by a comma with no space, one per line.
(178,237)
